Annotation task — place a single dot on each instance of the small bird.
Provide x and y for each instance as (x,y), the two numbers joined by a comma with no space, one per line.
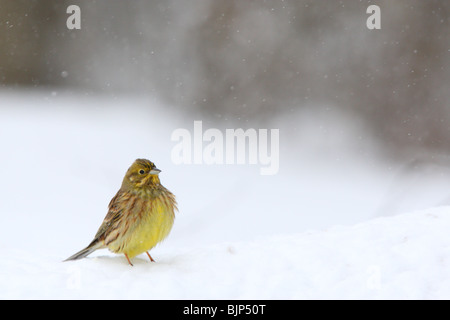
(140,215)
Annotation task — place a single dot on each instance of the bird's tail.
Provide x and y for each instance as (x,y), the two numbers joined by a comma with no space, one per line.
(86,251)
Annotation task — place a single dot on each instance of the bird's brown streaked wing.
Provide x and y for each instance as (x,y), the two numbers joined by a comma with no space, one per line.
(115,211)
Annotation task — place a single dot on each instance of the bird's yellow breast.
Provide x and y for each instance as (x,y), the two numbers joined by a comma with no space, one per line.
(153,226)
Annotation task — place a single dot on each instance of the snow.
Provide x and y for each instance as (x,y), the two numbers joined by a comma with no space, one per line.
(324,227)
(401,257)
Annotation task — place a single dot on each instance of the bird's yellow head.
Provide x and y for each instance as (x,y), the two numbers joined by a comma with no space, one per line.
(142,173)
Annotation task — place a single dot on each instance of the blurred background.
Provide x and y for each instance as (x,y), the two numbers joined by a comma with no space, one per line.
(247,60)
(364,115)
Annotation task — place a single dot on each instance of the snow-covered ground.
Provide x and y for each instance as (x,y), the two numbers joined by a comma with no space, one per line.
(312,231)
(401,257)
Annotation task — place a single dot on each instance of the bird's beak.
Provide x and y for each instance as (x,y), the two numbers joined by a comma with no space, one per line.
(155,171)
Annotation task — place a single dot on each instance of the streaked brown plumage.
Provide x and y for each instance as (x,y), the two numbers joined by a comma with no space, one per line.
(140,215)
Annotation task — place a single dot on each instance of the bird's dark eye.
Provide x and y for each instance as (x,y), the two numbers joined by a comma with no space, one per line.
(141,171)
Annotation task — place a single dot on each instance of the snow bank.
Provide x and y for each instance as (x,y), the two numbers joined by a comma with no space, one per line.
(401,257)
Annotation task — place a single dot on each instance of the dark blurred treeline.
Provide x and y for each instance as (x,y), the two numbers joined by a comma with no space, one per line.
(247,60)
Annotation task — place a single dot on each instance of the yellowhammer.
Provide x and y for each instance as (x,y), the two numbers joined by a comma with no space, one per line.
(140,215)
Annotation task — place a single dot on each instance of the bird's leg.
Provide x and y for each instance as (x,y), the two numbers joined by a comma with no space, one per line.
(126,256)
(151,259)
